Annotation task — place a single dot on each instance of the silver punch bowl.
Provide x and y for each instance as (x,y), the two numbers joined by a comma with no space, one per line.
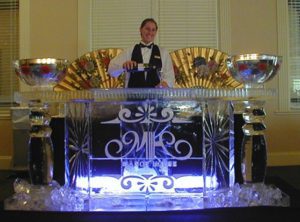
(253,69)
(45,72)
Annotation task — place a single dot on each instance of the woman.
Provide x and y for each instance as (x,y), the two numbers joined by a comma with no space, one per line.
(160,71)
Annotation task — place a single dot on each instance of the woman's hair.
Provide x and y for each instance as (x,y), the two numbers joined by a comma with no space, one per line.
(148,20)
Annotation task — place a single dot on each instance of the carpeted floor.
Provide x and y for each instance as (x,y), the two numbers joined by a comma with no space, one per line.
(290,174)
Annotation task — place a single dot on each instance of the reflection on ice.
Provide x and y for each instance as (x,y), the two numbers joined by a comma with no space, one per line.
(60,198)
(247,195)
(133,182)
(44,198)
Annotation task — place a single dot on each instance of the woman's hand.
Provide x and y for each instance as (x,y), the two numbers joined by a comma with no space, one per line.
(128,65)
(162,84)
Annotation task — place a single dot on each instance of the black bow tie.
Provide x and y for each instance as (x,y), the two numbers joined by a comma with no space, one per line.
(147,46)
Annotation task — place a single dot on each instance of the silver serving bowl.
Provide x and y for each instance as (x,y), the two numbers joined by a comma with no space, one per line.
(41,72)
(253,69)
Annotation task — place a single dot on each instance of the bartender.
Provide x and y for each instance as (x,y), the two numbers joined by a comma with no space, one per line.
(146,65)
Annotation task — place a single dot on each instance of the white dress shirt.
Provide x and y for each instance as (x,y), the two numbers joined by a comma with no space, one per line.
(115,67)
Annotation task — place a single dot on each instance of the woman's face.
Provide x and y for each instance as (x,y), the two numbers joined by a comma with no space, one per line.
(148,32)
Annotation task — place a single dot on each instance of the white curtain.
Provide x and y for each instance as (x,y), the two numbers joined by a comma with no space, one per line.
(9,48)
(115,23)
(294,51)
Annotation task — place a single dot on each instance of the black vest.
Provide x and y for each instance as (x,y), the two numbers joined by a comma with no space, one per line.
(137,79)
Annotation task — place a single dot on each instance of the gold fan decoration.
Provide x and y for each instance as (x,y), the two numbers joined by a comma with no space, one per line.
(90,71)
(199,67)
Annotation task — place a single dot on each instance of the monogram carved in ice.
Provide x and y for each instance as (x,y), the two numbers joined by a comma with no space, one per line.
(155,138)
